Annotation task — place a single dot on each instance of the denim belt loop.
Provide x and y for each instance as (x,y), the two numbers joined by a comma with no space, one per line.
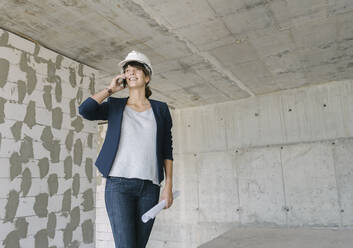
(142,186)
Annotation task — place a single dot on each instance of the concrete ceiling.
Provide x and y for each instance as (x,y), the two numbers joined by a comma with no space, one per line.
(203,51)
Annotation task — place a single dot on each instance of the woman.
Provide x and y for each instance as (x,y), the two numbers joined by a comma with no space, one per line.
(136,152)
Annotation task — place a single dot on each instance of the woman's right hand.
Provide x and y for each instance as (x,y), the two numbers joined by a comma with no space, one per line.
(115,86)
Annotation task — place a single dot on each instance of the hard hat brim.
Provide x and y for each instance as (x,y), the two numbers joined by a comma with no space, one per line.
(122,63)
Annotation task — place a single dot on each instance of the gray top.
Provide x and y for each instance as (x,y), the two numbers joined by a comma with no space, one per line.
(136,156)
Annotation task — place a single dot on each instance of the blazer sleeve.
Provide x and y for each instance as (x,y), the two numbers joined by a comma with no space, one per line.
(168,139)
(91,110)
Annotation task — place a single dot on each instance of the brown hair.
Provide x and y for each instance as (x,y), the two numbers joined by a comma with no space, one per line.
(141,66)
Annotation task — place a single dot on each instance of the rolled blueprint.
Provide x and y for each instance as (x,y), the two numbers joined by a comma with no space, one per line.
(150,214)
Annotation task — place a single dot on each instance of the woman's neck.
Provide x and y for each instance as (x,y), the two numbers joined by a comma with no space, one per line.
(138,101)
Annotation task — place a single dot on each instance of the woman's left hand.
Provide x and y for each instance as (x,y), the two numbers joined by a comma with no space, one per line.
(167,195)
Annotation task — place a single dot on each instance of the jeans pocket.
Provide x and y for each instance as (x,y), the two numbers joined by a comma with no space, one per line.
(123,185)
(118,180)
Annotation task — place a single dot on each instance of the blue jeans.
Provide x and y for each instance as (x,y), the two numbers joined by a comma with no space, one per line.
(126,200)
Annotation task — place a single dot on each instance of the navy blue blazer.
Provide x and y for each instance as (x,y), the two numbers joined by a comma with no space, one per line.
(112,110)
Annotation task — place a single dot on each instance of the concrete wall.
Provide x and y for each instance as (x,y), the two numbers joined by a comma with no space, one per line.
(283,159)
(47,188)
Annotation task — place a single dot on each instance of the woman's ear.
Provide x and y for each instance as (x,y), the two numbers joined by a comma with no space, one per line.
(147,79)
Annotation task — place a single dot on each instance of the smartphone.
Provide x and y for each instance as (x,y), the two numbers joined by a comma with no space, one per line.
(121,80)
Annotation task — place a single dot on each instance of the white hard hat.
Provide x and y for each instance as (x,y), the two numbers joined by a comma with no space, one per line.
(139,57)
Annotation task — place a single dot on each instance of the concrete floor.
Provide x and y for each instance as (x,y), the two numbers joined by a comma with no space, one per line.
(257,237)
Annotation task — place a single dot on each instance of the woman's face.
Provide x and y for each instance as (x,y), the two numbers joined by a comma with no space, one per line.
(135,76)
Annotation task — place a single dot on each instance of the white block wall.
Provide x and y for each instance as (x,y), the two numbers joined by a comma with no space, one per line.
(104,236)
(45,201)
